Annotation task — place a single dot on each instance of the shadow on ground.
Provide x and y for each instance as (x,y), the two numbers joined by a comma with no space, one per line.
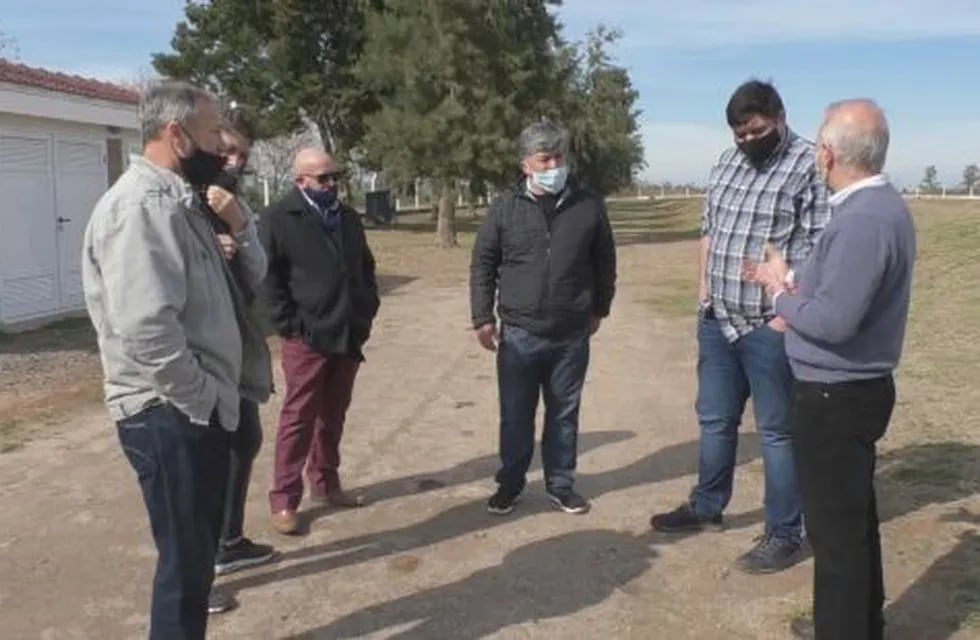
(946,598)
(669,463)
(546,579)
(72,334)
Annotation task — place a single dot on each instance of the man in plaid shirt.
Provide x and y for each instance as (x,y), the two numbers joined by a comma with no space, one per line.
(764,189)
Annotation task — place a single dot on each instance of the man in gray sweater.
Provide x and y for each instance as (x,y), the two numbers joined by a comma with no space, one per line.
(846,317)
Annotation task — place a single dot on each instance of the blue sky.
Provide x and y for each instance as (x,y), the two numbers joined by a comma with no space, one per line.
(918,58)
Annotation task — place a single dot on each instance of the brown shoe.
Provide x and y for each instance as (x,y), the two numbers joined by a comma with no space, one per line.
(285,522)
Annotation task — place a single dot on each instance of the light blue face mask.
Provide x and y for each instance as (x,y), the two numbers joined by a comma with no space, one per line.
(552,180)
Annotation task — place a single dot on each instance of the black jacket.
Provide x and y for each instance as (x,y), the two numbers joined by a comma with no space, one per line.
(550,281)
(321,286)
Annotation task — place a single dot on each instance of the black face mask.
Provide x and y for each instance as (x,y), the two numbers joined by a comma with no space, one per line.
(200,168)
(758,150)
(227,179)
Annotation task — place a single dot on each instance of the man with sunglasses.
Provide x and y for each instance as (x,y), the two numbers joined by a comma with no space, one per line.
(322,296)
(762,190)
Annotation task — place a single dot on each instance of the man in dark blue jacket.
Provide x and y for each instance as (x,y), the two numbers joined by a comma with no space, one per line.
(546,249)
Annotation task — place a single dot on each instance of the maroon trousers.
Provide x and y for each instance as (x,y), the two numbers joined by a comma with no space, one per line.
(318,393)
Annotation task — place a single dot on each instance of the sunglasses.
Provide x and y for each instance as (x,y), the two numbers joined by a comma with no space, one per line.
(324,178)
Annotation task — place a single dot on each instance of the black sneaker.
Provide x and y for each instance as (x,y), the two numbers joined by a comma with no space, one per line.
(502,502)
(772,554)
(569,501)
(241,555)
(684,520)
(220,602)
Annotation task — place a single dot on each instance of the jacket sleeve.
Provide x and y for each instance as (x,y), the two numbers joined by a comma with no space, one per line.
(484,266)
(851,272)
(254,262)
(604,264)
(369,266)
(279,301)
(144,272)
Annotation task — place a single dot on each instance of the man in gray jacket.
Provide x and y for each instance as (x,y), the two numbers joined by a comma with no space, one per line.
(157,290)
(846,319)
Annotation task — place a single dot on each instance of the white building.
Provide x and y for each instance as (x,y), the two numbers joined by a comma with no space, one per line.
(63,140)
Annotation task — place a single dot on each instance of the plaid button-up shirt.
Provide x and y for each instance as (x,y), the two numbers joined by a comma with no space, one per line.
(783,203)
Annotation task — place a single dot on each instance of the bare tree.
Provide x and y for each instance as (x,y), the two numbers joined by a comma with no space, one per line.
(272,159)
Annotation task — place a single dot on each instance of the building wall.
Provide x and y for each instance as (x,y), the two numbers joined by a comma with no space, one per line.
(39,254)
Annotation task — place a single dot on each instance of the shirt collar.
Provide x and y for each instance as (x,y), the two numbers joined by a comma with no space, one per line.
(838,197)
(171,179)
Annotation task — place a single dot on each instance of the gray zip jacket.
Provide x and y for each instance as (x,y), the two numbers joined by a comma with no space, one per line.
(156,288)
(256,382)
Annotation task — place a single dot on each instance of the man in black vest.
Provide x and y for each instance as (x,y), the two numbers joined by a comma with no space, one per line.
(322,296)
(547,248)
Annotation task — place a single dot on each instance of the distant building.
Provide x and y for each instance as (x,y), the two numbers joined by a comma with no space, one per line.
(63,140)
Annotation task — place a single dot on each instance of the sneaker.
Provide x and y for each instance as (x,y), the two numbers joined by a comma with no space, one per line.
(684,520)
(772,554)
(241,555)
(502,502)
(569,501)
(220,602)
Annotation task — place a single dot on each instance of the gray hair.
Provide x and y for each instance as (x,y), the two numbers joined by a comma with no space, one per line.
(544,136)
(857,132)
(169,101)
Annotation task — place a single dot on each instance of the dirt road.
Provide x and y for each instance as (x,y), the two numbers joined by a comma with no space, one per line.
(425,561)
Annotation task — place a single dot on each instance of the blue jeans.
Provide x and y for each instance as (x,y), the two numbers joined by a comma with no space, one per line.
(183,471)
(527,366)
(728,374)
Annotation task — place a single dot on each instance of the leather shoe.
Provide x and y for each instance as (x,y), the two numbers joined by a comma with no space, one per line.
(285,522)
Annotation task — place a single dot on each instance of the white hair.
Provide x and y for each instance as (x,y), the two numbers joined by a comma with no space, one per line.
(856,142)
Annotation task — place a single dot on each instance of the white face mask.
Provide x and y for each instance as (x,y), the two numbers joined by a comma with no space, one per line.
(551,180)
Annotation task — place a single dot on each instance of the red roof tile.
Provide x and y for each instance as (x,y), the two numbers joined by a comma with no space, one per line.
(14,73)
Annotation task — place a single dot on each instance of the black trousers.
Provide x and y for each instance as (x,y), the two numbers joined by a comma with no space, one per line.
(836,427)
(245,445)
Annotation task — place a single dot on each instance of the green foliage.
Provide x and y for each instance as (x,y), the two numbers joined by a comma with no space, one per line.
(455,81)
(930,182)
(607,148)
(286,62)
(971,177)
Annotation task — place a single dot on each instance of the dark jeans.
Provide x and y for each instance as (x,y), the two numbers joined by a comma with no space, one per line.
(837,426)
(527,366)
(756,366)
(245,444)
(182,470)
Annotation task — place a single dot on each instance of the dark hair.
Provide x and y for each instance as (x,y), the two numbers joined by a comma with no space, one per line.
(236,121)
(753,98)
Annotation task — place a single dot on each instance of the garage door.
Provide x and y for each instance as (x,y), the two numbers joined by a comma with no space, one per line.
(80,181)
(28,242)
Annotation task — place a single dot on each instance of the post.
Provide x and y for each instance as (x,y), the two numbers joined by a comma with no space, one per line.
(417,187)
(265,191)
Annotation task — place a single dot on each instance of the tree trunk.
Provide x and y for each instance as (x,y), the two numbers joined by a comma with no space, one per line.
(446,227)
